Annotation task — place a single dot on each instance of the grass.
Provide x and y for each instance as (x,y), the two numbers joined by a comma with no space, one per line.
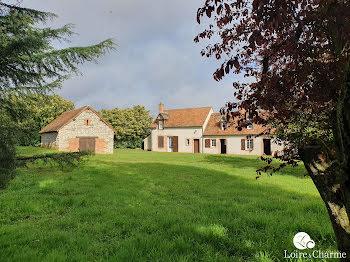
(147,206)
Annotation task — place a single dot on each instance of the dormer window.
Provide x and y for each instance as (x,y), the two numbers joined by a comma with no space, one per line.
(223,123)
(250,126)
(161,118)
(223,126)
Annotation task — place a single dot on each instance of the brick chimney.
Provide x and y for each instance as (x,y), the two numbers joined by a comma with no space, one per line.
(161,107)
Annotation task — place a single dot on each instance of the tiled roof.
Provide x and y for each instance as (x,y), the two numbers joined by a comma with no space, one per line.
(66,117)
(185,117)
(213,128)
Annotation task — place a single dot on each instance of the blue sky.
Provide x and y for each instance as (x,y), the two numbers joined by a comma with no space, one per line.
(156,59)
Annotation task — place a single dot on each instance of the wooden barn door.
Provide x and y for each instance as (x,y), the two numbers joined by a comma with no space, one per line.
(87,144)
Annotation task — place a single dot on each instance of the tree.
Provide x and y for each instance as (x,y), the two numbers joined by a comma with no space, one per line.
(28,61)
(131,125)
(299,53)
(30,64)
(33,112)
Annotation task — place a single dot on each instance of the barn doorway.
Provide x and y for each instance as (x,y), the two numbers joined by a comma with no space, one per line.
(196,145)
(267,146)
(87,143)
(223,146)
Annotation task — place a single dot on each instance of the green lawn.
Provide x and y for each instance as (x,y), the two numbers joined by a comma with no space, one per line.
(147,206)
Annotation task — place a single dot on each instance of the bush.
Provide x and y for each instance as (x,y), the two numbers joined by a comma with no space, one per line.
(7,150)
(128,143)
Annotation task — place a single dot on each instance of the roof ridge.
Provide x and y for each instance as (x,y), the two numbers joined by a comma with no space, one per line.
(188,108)
(66,117)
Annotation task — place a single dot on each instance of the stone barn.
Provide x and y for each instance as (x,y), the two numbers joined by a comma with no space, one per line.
(78,130)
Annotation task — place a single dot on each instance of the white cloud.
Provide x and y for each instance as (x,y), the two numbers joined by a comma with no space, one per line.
(156,60)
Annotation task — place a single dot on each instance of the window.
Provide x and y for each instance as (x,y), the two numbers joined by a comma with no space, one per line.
(87,122)
(160,124)
(249,144)
(250,126)
(187,142)
(213,143)
(223,125)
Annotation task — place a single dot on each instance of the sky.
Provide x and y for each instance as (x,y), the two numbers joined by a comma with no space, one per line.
(156,58)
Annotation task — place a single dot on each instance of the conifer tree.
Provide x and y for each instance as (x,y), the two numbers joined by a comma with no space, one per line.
(29,63)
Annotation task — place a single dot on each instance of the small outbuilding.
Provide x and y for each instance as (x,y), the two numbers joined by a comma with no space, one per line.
(78,130)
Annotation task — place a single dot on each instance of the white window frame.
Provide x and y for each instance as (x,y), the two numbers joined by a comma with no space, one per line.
(211,142)
(223,125)
(170,144)
(160,126)
(250,144)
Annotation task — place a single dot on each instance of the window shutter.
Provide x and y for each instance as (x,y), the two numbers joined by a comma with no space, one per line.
(207,143)
(252,144)
(242,144)
(160,141)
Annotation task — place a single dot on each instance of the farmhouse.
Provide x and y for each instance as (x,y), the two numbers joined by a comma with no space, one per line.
(78,130)
(200,130)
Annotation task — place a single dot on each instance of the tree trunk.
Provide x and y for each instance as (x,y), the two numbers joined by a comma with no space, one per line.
(333,185)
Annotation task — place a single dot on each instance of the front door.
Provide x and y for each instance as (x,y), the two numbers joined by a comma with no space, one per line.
(267,146)
(196,145)
(223,146)
(87,144)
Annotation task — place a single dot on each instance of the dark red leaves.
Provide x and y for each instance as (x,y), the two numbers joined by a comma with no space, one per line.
(219,9)
(228,9)
(236,63)
(208,12)
(293,52)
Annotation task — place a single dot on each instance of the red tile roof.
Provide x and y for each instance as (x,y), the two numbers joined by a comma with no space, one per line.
(67,117)
(186,117)
(213,128)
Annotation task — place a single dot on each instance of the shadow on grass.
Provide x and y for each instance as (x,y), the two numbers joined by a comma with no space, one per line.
(255,163)
(230,215)
(155,211)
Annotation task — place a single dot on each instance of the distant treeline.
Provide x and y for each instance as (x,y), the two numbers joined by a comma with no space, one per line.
(131,125)
(31,113)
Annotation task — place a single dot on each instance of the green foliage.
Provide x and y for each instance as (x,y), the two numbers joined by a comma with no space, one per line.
(32,112)
(150,206)
(30,64)
(28,61)
(131,125)
(7,148)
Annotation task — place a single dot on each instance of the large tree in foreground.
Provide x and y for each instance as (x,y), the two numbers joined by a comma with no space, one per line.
(299,53)
(30,64)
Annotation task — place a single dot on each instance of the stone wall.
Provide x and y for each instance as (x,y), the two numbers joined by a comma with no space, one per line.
(147,143)
(49,140)
(95,128)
